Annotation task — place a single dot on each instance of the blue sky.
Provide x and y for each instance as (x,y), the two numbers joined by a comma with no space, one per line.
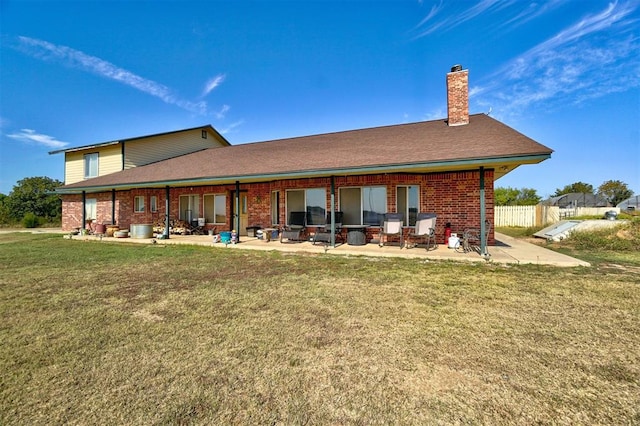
(564,72)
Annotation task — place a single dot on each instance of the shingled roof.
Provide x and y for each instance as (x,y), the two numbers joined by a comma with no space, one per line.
(416,147)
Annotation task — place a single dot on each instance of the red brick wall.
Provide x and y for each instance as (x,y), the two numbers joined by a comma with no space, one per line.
(453,196)
(72,209)
(458,97)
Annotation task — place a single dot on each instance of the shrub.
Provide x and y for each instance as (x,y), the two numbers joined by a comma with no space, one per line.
(30,220)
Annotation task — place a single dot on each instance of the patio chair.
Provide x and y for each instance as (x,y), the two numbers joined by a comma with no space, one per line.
(391,226)
(323,233)
(424,230)
(294,230)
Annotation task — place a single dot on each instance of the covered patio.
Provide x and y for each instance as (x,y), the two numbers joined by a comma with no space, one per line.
(507,250)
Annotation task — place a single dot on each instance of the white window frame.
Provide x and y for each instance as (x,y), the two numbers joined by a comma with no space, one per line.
(409,220)
(218,198)
(306,198)
(153,204)
(275,207)
(91,208)
(363,193)
(91,165)
(192,203)
(138,204)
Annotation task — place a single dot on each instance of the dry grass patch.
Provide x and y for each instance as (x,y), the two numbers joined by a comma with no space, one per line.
(139,335)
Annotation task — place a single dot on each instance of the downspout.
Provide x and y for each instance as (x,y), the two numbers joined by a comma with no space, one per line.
(483,216)
(113,206)
(237,211)
(166,212)
(333,213)
(84,210)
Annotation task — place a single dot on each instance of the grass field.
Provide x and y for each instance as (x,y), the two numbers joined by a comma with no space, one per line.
(102,333)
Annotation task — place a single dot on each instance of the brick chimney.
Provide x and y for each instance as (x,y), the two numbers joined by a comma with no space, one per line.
(458,96)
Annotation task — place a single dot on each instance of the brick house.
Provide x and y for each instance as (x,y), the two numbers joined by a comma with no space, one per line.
(447,167)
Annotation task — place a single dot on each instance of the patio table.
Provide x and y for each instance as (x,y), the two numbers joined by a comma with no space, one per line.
(356,234)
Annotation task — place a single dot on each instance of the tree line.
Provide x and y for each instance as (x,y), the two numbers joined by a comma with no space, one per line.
(32,203)
(614,191)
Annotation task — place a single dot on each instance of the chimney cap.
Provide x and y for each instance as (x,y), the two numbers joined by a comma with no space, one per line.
(456,68)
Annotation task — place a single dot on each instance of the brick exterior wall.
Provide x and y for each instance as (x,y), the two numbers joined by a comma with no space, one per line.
(458,98)
(453,196)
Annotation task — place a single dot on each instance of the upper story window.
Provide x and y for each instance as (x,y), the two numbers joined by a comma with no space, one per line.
(90,165)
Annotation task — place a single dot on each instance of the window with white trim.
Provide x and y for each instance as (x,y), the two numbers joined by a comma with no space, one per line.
(363,205)
(91,208)
(153,204)
(215,208)
(275,207)
(312,201)
(90,165)
(138,204)
(189,208)
(408,203)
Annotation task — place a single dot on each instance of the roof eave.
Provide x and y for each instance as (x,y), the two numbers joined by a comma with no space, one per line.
(429,167)
(102,144)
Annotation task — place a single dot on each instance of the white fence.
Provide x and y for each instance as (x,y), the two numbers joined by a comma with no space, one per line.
(530,216)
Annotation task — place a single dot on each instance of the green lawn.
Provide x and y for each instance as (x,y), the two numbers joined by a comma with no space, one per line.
(103,333)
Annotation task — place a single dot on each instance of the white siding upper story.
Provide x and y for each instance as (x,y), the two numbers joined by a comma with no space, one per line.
(157,148)
(138,152)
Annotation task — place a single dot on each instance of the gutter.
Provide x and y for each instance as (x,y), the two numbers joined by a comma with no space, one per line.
(392,168)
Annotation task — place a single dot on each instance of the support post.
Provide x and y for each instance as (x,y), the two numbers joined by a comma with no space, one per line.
(84,210)
(167,205)
(483,216)
(113,206)
(333,213)
(237,211)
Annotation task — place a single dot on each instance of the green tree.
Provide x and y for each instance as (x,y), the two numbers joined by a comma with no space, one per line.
(515,197)
(615,191)
(34,195)
(5,218)
(579,187)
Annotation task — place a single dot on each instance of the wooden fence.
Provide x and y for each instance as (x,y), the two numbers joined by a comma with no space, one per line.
(539,215)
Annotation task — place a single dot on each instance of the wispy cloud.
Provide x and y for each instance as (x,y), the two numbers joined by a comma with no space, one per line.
(212,84)
(231,127)
(533,10)
(223,112)
(591,58)
(447,16)
(429,25)
(32,137)
(46,51)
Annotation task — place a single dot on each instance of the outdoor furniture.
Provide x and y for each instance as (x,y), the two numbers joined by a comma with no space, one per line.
(424,230)
(356,234)
(391,226)
(293,231)
(323,233)
(471,240)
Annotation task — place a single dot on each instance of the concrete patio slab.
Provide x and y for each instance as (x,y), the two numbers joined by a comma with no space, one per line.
(507,250)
